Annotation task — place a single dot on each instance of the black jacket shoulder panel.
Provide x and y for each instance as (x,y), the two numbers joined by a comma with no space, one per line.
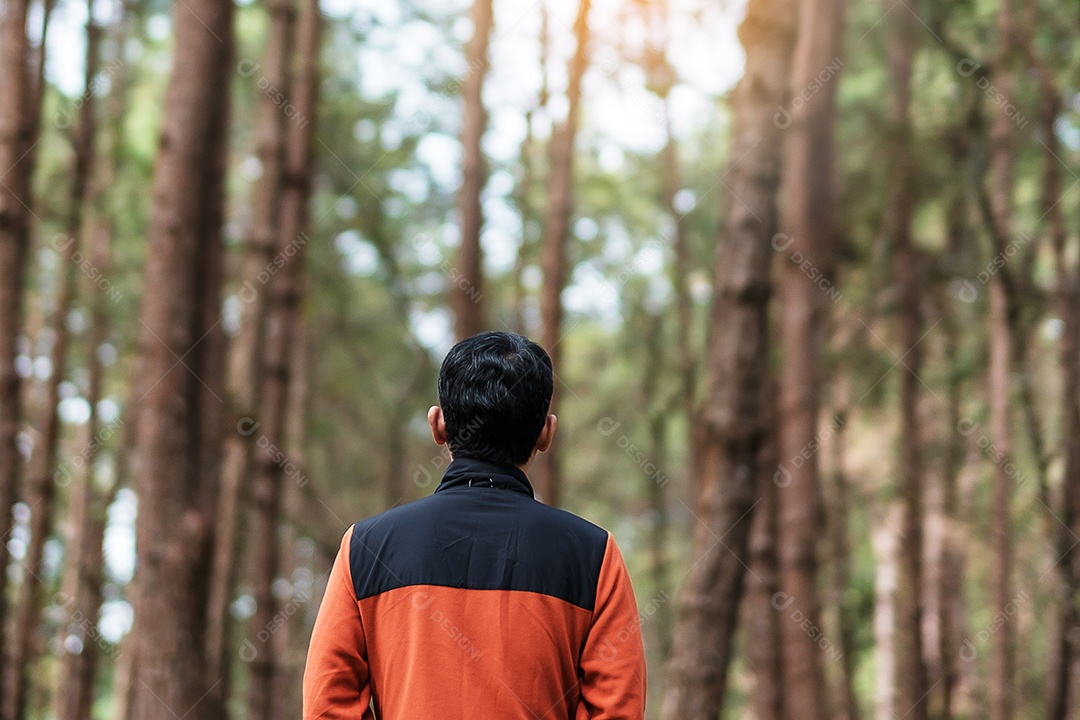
(481,538)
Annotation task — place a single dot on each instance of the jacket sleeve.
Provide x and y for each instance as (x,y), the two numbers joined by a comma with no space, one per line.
(336,682)
(613,659)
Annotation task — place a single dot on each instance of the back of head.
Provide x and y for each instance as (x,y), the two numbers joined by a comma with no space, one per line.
(495,390)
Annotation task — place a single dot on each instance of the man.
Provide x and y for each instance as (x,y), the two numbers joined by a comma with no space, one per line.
(479,601)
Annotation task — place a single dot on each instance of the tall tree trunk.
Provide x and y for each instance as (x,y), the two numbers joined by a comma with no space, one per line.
(556,238)
(910,668)
(1002,351)
(282,318)
(245,369)
(656,481)
(293,653)
(523,190)
(840,561)
(763,601)
(16,134)
(808,224)
(731,428)
(884,543)
(467,287)
(1063,645)
(42,464)
(179,424)
(84,556)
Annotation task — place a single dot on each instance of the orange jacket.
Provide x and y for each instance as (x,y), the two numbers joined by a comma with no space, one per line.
(477,602)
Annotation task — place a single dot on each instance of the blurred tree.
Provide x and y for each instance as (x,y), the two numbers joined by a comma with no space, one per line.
(1003,318)
(808,235)
(1066,512)
(244,376)
(42,464)
(910,681)
(730,429)
(467,283)
(556,236)
(16,138)
(762,603)
(282,323)
(179,386)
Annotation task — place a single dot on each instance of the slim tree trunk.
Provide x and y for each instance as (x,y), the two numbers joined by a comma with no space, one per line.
(840,561)
(42,464)
(1002,351)
(656,481)
(763,601)
(731,429)
(245,370)
(179,424)
(1063,645)
(885,548)
(808,226)
(523,191)
(467,287)
(292,647)
(15,140)
(911,678)
(556,238)
(84,556)
(282,318)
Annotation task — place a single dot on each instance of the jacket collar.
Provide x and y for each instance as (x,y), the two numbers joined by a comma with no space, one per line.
(472,472)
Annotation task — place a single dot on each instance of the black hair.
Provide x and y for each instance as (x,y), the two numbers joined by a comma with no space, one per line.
(495,391)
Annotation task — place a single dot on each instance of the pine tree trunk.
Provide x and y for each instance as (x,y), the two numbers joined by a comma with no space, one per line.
(1063,520)
(885,548)
(1002,353)
(180,411)
(15,139)
(42,465)
(286,296)
(467,287)
(245,370)
(911,678)
(556,238)
(731,429)
(656,481)
(808,234)
(529,176)
(763,602)
(840,561)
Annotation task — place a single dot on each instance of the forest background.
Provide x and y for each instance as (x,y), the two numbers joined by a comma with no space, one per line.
(809,273)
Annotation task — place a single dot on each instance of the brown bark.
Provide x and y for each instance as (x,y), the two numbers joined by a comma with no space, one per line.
(729,433)
(950,601)
(911,683)
(847,707)
(179,423)
(660,79)
(763,602)
(292,649)
(286,296)
(467,286)
(556,238)
(16,133)
(656,481)
(885,546)
(26,645)
(1002,351)
(807,222)
(83,568)
(1063,646)
(523,190)
(245,370)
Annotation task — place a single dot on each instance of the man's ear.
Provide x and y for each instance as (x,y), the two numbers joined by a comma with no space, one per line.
(437,422)
(544,441)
